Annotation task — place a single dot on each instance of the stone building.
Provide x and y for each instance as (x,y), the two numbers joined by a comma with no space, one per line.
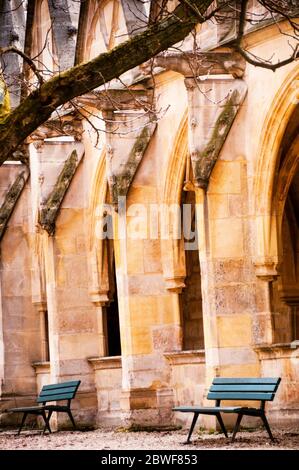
(142,320)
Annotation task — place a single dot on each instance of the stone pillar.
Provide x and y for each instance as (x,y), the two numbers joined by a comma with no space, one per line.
(44,335)
(263,327)
(19,327)
(72,319)
(227,273)
(73,329)
(149,325)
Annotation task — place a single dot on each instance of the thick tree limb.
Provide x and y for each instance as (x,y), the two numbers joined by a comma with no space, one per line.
(40,104)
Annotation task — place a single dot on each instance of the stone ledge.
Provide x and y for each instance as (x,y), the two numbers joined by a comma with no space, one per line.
(277,350)
(41,367)
(100,363)
(186,357)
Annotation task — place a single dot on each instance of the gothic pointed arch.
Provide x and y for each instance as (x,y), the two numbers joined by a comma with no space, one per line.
(277,216)
(173,256)
(102,276)
(180,256)
(275,124)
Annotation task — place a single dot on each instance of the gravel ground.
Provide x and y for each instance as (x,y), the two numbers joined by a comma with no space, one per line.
(112,439)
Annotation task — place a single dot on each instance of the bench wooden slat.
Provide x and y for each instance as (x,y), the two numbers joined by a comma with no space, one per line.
(53,396)
(73,383)
(69,390)
(240,396)
(57,397)
(206,409)
(246,380)
(243,388)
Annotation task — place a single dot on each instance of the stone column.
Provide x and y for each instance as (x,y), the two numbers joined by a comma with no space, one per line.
(263,327)
(72,319)
(227,273)
(149,325)
(19,328)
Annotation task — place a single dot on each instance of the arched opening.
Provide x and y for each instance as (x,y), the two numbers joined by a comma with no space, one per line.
(113,346)
(45,337)
(285,289)
(103,282)
(191,298)
(180,258)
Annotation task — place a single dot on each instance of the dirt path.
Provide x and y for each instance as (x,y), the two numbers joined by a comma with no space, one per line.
(287,438)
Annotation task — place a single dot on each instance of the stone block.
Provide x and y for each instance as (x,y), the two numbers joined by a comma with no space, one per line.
(236,205)
(218,206)
(225,178)
(235,298)
(141,340)
(77,320)
(226,238)
(241,370)
(143,311)
(234,330)
(152,256)
(151,284)
(234,356)
(166,338)
(141,194)
(134,254)
(80,345)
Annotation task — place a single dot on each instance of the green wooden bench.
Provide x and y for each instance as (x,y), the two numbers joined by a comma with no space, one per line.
(249,389)
(64,391)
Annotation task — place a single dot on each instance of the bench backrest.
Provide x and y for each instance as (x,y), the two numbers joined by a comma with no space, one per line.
(58,392)
(263,389)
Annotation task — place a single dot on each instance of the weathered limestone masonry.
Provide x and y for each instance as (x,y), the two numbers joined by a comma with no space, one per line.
(144,323)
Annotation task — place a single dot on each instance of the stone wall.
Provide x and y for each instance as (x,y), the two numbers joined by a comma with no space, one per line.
(227,305)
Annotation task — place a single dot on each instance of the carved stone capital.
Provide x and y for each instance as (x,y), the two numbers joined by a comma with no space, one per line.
(41,306)
(99,298)
(175,284)
(266,270)
(195,64)
(38,143)
(118,99)
(68,124)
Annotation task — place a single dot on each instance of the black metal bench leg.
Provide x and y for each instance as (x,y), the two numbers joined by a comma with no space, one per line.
(192,427)
(22,422)
(46,420)
(266,424)
(71,418)
(237,426)
(220,421)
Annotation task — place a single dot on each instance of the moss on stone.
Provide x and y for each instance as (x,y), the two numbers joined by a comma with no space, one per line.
(121,183)
(49,212)
(206,159)
(10,201)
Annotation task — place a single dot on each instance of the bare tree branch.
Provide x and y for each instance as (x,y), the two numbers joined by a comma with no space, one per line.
(26,58)
(41,103)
